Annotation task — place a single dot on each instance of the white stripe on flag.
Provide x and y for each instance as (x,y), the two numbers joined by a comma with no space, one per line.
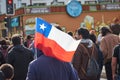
(63,39)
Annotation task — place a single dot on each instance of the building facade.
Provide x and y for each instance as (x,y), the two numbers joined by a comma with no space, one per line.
(2,6)
(93,15)
(23,3)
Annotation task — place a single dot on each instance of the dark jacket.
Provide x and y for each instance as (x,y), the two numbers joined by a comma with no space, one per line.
(47,68)
(20,57)
(2,77)
(2,59)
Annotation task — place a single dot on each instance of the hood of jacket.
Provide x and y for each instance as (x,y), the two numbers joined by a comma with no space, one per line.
(87,41)
(19,48)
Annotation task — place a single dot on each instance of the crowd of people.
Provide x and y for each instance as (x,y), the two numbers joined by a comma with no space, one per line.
(18,60)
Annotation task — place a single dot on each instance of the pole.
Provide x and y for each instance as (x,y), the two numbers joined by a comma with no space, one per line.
(22,26)
(30,2)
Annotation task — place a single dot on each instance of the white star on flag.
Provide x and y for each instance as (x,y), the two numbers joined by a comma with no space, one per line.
(42,26)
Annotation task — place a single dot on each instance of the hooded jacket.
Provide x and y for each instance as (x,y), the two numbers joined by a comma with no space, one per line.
(20,57)
(80,60)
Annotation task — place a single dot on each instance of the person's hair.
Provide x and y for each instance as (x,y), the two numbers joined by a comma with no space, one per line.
(6,38)
(93,37)
(84,32)
(58,27)
(115,29)
(3,42)
(29,36)
(7,70)
(16,39)
(105,30)
(70,33)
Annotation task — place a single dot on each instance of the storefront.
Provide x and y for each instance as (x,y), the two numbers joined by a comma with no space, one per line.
(92,16)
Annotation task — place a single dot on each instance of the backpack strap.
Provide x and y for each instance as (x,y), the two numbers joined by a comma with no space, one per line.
(87,50)
(119,52)
(88,56)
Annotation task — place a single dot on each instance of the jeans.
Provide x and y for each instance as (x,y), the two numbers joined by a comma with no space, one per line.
(108,70)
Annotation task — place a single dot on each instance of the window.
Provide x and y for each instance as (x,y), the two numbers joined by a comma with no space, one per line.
(42,4)
(116,0)
(105,1)
(39,4)
(93,8)
(55,2)
(36,4)
(23,4)
(58,3)
(90,2)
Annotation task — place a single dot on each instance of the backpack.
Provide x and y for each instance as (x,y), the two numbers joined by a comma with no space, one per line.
(92,70)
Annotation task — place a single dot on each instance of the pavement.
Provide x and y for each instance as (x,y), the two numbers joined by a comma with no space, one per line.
(103,74)
(103,79)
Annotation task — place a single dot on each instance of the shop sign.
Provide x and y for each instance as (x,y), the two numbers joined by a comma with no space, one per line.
(30,21)
(37,10)
(29,29)
(110,7)
(15,22)
(74,8)
(30,26)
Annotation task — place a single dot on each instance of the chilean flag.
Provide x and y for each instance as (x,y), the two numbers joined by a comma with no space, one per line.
(53,42)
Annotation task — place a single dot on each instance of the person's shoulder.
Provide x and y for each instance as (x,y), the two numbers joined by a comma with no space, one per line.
(11,51)
(33,62)
(112,35)
(27,49)
(117,46)
(46,60)
(81,45)
(38,61)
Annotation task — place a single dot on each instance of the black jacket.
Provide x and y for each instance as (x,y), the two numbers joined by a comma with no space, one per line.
(20,57)
(2,59)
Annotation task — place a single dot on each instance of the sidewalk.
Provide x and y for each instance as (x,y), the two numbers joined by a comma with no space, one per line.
(103,74)
(103,79)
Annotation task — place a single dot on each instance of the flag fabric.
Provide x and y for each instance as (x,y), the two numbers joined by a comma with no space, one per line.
(54,42)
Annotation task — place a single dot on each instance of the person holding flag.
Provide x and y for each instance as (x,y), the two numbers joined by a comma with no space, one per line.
(58,49)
